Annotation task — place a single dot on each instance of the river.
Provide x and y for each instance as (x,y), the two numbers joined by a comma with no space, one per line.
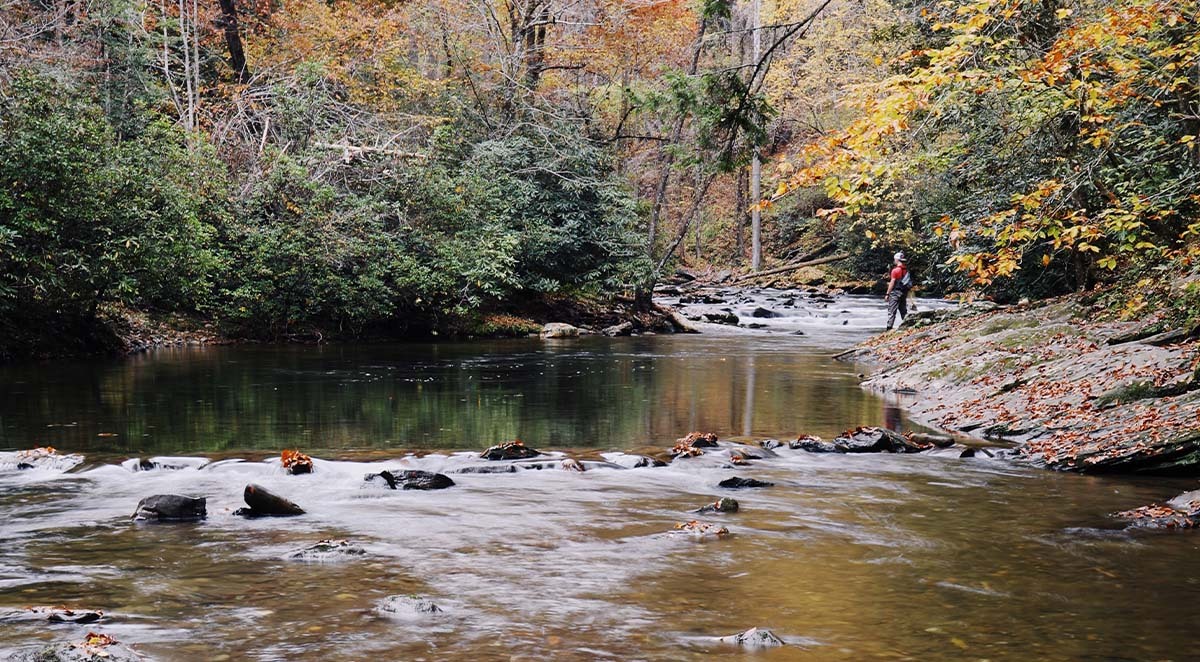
(847,557)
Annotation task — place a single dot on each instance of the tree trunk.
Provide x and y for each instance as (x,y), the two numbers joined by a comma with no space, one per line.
(667,155)
(756,163)
(233,40)
(739,214)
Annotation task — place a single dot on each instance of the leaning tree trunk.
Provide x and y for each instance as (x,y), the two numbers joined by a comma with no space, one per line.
(233,40)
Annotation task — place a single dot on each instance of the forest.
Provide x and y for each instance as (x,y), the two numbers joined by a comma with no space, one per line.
(392,167)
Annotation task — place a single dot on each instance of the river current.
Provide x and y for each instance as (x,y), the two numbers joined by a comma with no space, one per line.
(846,557)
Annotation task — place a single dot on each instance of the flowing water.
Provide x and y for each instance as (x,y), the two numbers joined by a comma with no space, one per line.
(847,557)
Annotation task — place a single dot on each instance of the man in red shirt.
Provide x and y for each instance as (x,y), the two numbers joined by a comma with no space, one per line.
(897,291)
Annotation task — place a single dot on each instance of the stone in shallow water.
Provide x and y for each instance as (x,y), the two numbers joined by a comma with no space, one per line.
(700,530)
(265,504)
(722,505)
(737,483)
(560,330)
(53,615)
(513,450)
(171,508)
(410,479)
(164,463)
(754,638)
(877,440)
(812,444)
(326,551)
(296,463)
(43,457)
(407,606)
(486,469)
(94,648)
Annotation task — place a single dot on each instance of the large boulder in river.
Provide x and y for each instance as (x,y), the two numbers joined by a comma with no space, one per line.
(513,450)
(263,503)
(171,508)
(412,479)
(559,330)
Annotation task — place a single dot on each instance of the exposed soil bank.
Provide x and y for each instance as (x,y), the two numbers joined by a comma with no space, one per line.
(1074,393)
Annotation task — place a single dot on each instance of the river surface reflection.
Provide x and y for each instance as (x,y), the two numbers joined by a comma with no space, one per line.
(878,557)
(592,392)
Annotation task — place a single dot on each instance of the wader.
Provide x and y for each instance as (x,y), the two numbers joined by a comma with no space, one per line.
(897,300)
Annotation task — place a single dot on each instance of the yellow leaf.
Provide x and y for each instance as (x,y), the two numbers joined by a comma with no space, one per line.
(781,189)
(1046,260)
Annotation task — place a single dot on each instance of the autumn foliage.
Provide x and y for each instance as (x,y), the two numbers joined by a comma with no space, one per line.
(1027,134)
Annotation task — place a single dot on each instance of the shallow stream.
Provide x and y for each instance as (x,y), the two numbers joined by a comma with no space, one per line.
(847,557)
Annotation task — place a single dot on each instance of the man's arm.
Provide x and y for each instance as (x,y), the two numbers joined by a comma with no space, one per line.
(891,284)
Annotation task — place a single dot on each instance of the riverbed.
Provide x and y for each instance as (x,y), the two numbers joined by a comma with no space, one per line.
(846,557)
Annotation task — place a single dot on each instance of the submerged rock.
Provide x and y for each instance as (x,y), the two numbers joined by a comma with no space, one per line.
(634,461)
(559,330)
(722,505)
(327,550)
(764,313)
(485,469)
(171,508)
(513,450)
(410,479)
(737,483)
(700,530)
(164,463)
(94,648)
(42,457)
(263,503)
(753,638)
(55,615)
(407,606)
(571,464)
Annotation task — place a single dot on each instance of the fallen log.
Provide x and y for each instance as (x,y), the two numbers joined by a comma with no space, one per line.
(792,267)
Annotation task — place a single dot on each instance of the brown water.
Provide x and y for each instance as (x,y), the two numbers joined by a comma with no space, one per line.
(846,558)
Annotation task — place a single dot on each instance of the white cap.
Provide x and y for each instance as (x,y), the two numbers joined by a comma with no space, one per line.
(900,256)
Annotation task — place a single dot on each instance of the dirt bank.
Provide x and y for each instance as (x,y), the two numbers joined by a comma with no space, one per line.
(1074,392)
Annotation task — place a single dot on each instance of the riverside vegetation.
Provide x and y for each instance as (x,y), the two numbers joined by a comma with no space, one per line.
(347,169)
